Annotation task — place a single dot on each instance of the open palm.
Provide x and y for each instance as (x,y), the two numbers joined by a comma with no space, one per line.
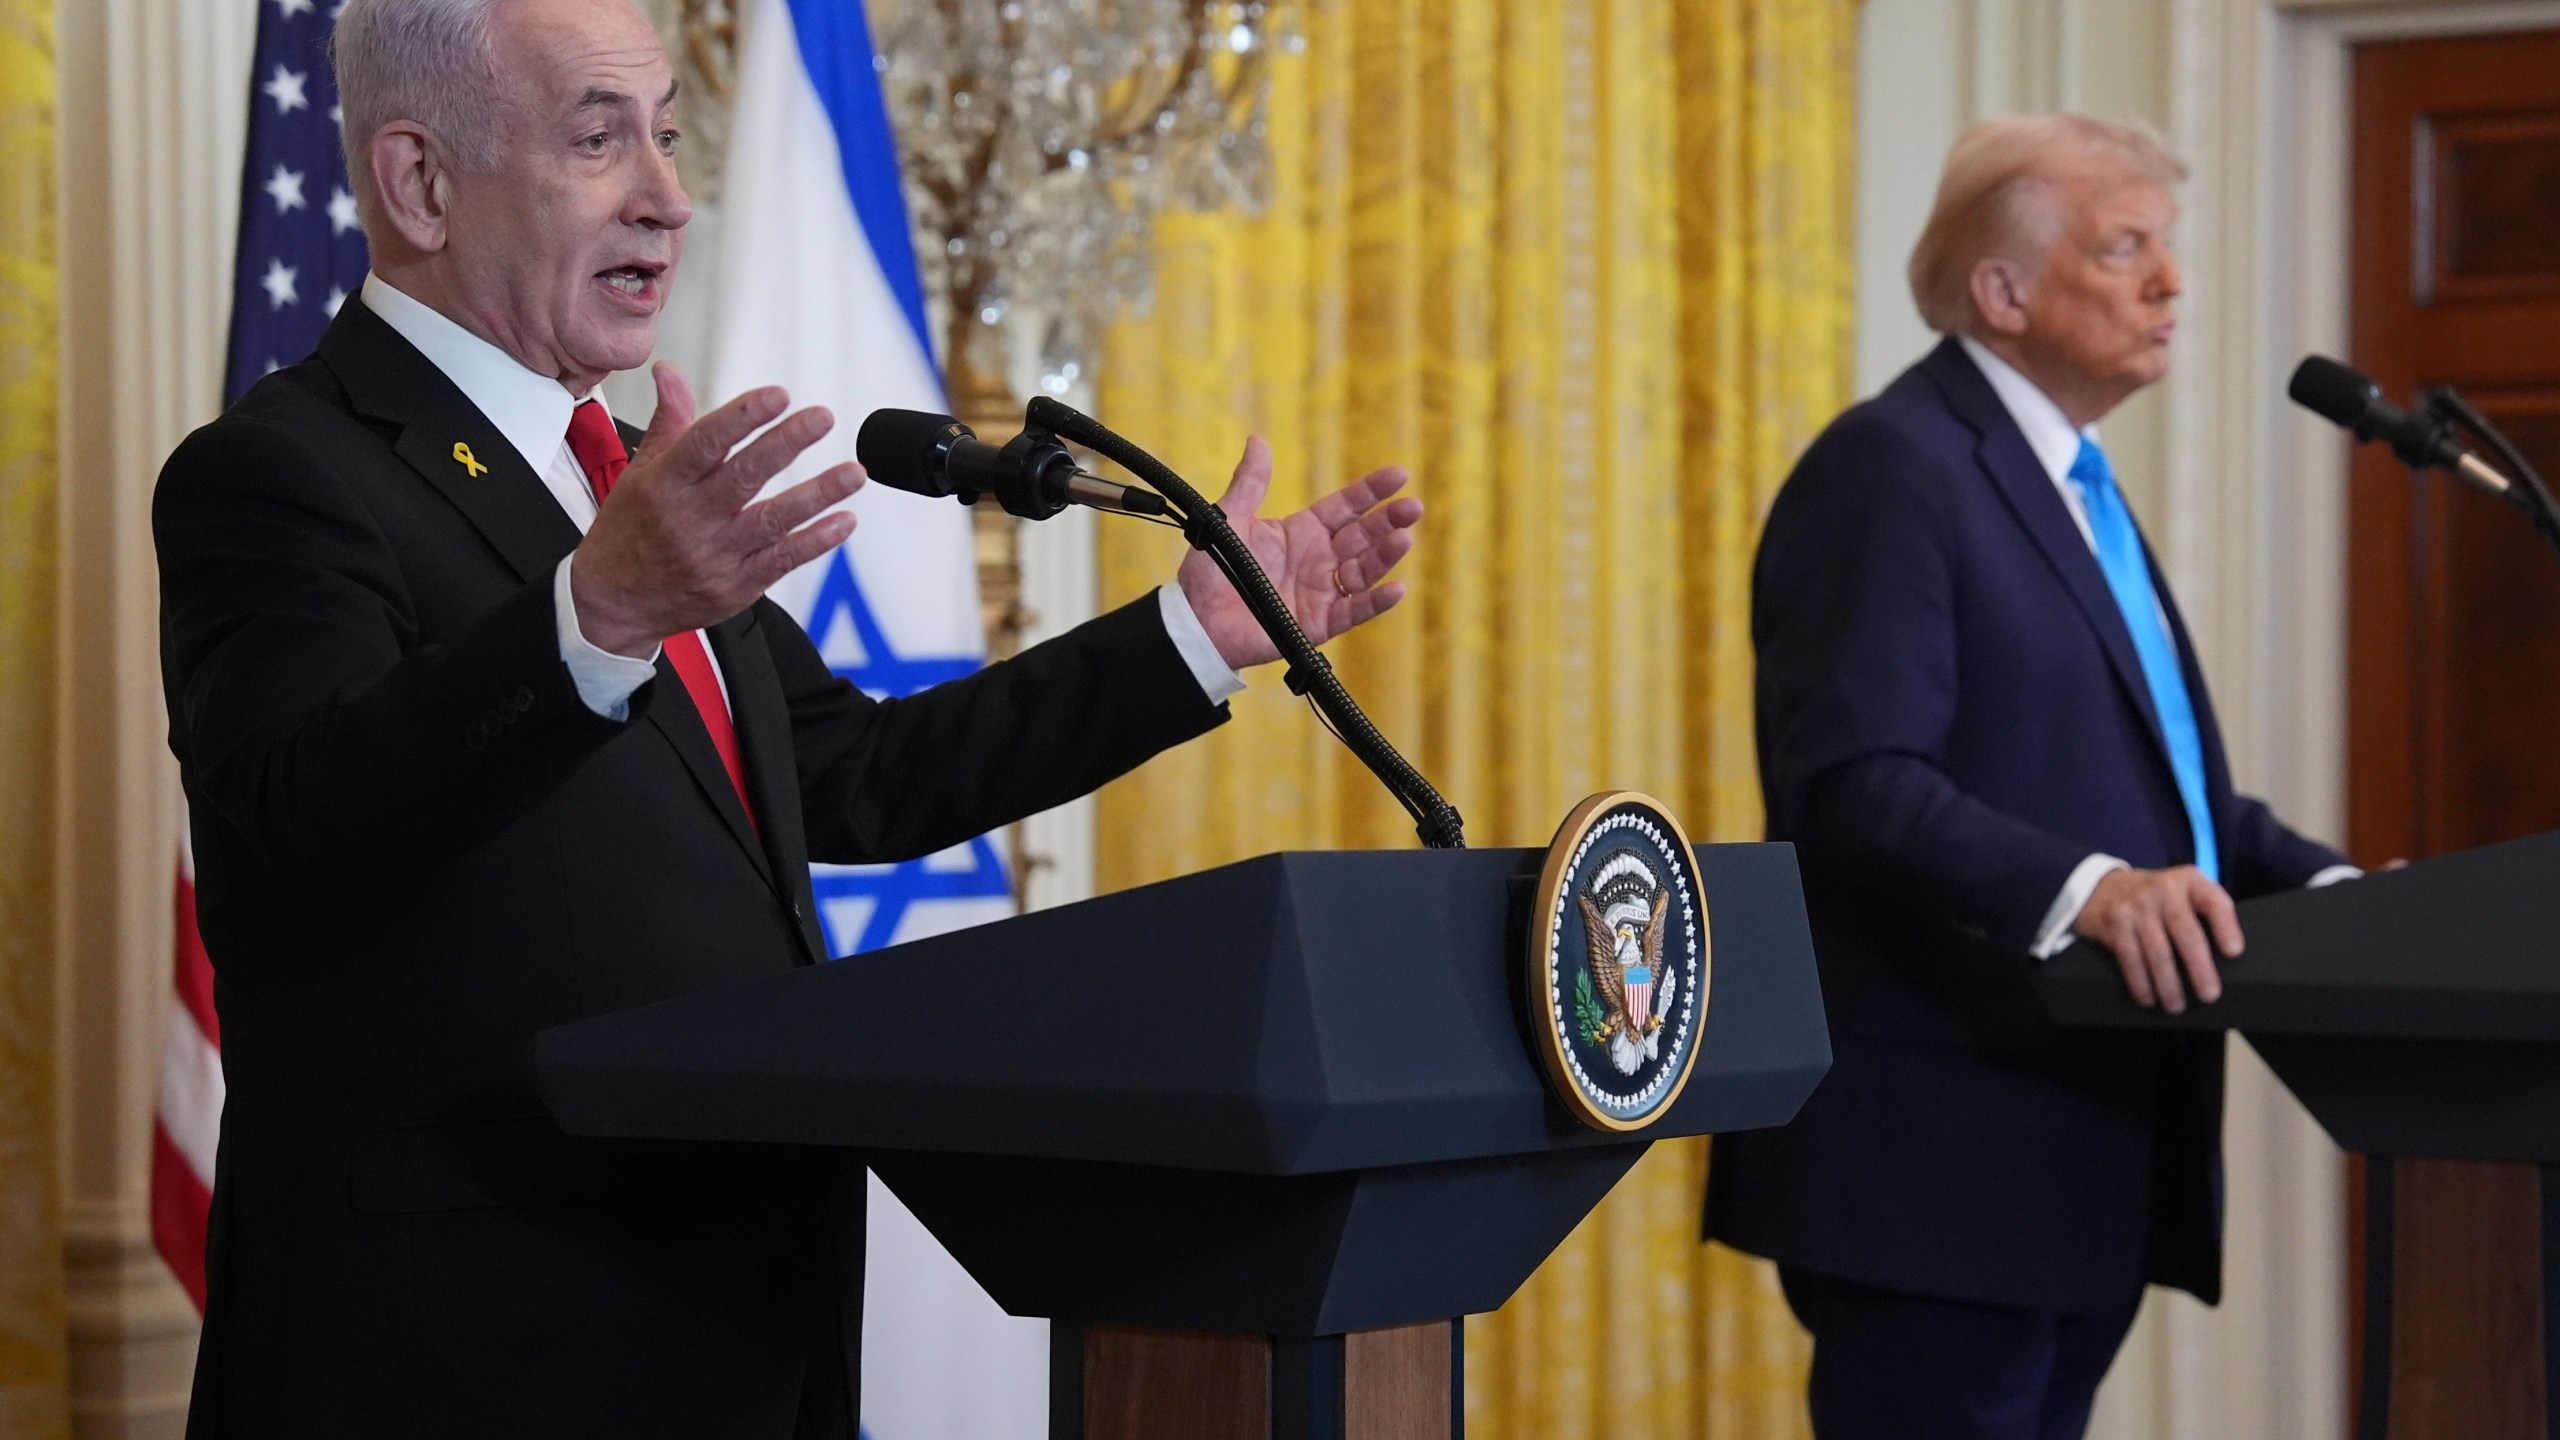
(1329,561)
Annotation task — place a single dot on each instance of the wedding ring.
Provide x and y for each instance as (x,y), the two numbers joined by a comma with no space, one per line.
(1337,583)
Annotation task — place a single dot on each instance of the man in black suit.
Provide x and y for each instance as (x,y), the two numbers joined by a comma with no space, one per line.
(1982,724)
(460,772)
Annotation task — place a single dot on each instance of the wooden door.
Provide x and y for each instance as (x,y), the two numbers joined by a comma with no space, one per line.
(2454,627)
(2454,611)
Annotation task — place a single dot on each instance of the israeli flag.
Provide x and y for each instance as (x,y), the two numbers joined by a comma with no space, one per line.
(815,289)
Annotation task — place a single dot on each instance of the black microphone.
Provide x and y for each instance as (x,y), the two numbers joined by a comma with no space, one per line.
(2346,398)
(1032,475)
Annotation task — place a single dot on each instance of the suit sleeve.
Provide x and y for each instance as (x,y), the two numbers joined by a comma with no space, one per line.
(2261,855)
(305,714)
(1854,620)
(892,780)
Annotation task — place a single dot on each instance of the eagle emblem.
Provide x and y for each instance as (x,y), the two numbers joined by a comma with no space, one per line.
(1622,924)
(1618,967)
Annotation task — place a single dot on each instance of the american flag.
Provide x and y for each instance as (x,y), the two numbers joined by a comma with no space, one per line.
(300,257)
(301,254)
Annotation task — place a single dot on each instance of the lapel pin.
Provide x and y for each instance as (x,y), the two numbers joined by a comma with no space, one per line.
(470,463)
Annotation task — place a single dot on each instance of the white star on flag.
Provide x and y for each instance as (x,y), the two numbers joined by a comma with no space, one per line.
(285,189)
(338,116)
(287,9)
(342,210)
(286,90)
(279,284)
(337,297)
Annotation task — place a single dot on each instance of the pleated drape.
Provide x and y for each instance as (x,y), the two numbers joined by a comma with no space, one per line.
(34,1364)
(1585,266)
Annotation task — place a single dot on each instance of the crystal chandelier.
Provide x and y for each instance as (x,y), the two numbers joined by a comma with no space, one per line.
(1039,139)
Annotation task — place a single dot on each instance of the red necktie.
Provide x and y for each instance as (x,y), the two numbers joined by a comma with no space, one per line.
(598,447)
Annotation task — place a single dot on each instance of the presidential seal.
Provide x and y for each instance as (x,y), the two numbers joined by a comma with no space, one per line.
(1619,961)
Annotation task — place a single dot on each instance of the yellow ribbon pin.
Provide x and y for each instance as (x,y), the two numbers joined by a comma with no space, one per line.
(470,463)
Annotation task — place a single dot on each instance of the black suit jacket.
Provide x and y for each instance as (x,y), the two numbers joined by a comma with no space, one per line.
(1951,717)
(416,848)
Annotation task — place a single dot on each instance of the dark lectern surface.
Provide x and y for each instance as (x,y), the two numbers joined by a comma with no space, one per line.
(2464,947)
(1293,1014)
(2412,1012)
(1291,1097)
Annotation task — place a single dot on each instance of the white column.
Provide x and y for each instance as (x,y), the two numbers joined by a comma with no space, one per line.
(154,105)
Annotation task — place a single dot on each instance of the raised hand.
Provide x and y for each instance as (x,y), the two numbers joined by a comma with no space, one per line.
(682,542)
(1329,561)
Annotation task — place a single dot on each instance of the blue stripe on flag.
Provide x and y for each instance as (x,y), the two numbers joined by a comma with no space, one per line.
(885,674)
(300,255)
(835,48)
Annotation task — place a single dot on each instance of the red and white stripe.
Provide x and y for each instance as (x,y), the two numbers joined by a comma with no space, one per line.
(190,1119)
(1639,1006)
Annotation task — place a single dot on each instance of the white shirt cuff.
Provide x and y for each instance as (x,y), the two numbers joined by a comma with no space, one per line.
(604,680)
(2333,875)
(2055,935)
(1191,641)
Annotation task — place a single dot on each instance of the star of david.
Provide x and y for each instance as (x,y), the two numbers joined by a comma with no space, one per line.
(885,674)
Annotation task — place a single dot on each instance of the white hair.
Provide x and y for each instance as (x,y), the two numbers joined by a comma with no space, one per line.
(1998,198)
(428,61)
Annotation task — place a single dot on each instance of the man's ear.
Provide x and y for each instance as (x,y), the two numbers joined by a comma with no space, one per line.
(2000,289)
(414,183)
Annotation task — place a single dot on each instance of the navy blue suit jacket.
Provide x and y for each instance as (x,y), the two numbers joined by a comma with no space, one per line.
(1951,717)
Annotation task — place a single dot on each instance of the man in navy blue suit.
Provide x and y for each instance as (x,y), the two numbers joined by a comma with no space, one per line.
(1982,724)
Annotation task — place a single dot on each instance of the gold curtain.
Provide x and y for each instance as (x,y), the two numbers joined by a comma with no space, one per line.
(1584,264)
(34,1360)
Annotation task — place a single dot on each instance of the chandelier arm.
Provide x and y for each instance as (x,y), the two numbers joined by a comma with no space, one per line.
(945,193)
(1136,119)
(1247,80)
(1110,127)
(1131,127)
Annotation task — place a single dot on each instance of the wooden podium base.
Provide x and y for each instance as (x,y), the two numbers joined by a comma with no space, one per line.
(2461,1301)
(1109,1382)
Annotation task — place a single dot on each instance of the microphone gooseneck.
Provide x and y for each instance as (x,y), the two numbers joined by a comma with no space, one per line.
(2343,396)
(2531,494)
(1309,674)
(2424,438)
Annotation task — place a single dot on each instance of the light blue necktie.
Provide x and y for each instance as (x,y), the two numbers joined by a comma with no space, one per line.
(2129,576)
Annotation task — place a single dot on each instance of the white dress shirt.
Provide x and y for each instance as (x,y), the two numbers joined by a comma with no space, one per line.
(2056,444)
(532,412)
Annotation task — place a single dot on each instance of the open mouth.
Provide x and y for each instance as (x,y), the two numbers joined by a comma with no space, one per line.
(640,282)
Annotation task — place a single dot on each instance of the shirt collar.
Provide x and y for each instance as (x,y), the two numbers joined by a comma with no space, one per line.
(531,411)
(2048,430)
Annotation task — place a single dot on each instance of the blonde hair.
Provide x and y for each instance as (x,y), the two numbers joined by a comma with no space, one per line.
(1996,198)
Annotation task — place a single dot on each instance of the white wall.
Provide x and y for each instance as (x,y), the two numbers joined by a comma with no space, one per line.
(1910,106)
(1927,68)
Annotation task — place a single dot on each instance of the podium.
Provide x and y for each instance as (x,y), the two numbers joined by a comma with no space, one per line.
(1252,1139)
(2416,1015)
